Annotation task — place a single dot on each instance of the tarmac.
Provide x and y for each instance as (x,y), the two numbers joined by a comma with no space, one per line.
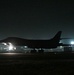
(37,63)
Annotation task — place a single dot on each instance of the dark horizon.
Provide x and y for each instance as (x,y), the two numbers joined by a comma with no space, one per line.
(36,19)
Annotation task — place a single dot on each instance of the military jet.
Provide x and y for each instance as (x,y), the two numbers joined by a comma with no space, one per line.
(31,43)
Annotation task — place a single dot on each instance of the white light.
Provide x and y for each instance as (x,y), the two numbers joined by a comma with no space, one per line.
(25,46)
(61,47)
(10,46)
(4,43)
(72,42)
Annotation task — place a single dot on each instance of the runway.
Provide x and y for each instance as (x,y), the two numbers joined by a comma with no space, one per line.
(37,64)
(35,58)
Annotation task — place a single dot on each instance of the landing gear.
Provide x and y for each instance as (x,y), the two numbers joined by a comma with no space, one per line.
(33,51)
(37,51)
(41,51)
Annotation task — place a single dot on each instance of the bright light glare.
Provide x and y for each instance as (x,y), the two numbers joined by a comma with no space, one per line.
(25,47)
(10,47)
(4,43)
(72,42)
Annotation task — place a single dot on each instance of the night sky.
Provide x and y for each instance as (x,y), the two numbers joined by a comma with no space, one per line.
(36,19)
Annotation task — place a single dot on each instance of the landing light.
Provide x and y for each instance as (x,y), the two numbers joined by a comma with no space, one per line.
(4,44)
(11,47)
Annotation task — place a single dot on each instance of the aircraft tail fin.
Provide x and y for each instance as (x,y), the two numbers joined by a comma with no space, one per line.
(58,35)
(56,39)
